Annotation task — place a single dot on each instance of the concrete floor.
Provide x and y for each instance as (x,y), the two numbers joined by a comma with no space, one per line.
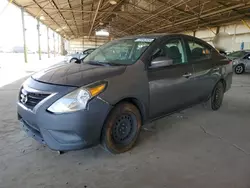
(195,148)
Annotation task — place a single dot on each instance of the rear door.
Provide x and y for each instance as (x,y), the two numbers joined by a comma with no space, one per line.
(199,54)
(171,86)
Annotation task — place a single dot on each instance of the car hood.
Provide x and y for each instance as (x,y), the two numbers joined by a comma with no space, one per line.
(77,74)
(232,58)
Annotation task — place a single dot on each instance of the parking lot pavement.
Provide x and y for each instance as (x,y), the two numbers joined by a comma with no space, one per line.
(194,148)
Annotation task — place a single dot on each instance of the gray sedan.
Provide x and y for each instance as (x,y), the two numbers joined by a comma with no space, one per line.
(120,86)
(241,61)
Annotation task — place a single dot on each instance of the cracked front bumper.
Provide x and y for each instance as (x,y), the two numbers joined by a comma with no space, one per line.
(69,131)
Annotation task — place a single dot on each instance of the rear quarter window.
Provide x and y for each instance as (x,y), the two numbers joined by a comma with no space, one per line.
(198,50)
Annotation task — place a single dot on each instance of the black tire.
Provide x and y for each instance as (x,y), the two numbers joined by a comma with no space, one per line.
(73,60)
(216,98)
(121,129)
(239,69)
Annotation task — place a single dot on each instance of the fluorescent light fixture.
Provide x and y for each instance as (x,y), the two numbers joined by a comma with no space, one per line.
(102,33)
(42,17)
(59,29)
(113,2)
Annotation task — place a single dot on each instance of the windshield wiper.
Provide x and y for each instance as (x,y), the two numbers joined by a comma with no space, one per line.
(104,63)
(115,63)
(96,63)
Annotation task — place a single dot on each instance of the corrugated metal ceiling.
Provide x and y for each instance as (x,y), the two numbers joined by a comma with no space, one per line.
(77,18)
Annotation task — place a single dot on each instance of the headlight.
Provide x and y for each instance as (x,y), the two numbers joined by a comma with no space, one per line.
(67,58)
(77,99)
(235,62)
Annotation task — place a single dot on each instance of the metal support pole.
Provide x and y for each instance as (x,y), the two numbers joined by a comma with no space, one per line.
(95,42)
(211,30)
(83,43)
(62,46)
(39,42)
(58,45)
(217,30)
(24,37)
(48,42)
(194,32)
(54,44)
(233,41)
(246,24)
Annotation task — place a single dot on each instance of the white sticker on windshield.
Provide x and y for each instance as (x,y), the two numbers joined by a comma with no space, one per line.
(144,40)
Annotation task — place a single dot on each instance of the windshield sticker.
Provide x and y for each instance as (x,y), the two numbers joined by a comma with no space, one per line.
(144,40)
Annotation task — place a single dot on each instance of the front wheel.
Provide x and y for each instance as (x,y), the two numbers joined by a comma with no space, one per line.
(73,60)
(215,101)
(239,69)
(122,128)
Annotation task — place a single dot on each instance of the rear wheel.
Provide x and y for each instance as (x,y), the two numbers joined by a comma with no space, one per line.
(122,128)
(215,101)
(239,69)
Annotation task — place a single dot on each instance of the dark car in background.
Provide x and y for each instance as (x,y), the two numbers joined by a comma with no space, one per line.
(241,61)
(72,58)
(119,87)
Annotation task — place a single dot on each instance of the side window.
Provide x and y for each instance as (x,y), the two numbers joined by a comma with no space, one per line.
(247,57)
(172,49)
(198,51)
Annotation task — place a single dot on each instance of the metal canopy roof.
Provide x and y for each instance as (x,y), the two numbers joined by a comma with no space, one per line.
(78,18)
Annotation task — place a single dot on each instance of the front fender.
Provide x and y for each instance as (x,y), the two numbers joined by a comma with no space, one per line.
(132,84)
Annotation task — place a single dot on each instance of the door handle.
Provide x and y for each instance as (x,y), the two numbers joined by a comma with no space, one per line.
(187,75)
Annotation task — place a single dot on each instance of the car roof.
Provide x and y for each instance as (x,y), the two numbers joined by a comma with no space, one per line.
(160,35)
(247,50)
(241,51)
(157,35)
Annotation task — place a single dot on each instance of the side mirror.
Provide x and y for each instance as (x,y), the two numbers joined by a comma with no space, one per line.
(161,62)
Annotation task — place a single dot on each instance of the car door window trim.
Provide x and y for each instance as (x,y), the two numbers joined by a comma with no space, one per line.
(164,42)
(201,43)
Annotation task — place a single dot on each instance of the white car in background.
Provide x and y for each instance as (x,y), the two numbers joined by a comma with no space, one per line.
(241,61)
(72,58)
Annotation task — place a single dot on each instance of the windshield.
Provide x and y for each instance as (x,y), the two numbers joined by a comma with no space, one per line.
(237,54)
(120,52)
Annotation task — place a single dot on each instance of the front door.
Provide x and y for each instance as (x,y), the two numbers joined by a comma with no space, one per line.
(170,86)
(246,61)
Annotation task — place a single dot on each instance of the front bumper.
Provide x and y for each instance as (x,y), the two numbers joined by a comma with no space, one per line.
(69,131)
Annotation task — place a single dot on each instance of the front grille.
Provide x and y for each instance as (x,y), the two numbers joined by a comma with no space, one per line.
(33,98)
